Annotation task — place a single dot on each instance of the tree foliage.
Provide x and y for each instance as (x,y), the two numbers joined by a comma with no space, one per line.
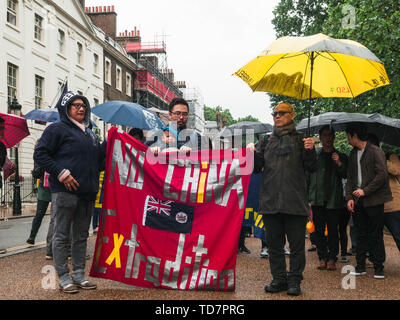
(210,114)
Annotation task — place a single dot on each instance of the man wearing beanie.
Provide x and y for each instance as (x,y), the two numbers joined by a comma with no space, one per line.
(284,157)
(71,153)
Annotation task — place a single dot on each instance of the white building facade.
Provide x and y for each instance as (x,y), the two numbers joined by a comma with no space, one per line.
(43,44)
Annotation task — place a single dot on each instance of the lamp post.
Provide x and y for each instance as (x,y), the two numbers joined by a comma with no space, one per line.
(15,108)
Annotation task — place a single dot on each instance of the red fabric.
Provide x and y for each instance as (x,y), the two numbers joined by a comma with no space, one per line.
(208,252)
(46,183)
(15,130)
(8,168)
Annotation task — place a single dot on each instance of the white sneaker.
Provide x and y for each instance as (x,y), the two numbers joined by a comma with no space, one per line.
(264,253)
(286,251)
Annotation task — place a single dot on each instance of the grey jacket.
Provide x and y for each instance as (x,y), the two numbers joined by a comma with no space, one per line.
(375,179)
(284,186)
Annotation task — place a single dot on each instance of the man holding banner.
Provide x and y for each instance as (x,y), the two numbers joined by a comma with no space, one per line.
(284,157)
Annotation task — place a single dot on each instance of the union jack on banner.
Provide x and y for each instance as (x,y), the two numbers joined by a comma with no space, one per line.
(160,206)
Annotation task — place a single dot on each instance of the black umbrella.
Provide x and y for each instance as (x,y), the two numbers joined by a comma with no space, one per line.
(245,127)
(385,128)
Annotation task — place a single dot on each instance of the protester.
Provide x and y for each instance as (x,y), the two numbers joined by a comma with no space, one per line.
(3,155)
(71,153)
(325,191)
(187,139)
(137,134)
(367,190)
(285,156)
(392,208)
(43,201)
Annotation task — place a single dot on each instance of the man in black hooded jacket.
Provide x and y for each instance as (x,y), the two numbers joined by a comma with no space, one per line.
(284,157)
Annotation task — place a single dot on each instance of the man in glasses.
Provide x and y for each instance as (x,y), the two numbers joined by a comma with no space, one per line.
(188,139)
(284,157)
(71,153)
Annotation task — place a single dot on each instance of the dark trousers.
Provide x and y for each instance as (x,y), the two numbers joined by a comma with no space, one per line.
(369,222)
(327,247)
(41,208)
(392,222)
(280,226)
(344,218)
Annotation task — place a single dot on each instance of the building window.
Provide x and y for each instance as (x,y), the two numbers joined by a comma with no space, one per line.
(107,72)
(12,72)
(118,84)
(38,91)
(79,53)
(128,84)
(61,41)
(38,27)
(12,12)
(95,64)
(96,101)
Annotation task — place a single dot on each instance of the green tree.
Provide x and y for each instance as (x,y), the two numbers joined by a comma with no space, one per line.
(210,114)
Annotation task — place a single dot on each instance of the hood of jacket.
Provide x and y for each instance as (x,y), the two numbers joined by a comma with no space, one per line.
(64,102)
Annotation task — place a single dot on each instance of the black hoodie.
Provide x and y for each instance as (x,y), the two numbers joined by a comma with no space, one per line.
(64,145)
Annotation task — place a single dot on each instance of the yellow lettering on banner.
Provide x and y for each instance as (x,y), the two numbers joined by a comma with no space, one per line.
(259,217)
(115,253)
(247,212)
(202,183)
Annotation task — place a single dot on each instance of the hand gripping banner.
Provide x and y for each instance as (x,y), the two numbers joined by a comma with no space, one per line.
(171,221)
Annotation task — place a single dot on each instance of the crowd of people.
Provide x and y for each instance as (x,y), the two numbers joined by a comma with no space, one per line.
(362,188)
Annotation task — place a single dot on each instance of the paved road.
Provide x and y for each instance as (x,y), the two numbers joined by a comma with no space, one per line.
(22,276)
(14,232)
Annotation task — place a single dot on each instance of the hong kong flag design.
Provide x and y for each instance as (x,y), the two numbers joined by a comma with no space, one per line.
(168,215)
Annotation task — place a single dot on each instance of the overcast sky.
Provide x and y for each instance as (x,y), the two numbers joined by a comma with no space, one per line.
(207,41)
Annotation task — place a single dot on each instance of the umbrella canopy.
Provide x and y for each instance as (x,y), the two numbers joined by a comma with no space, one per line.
(385,128)
(47,115)
(44,115)
(15,129)
(313,67)
(127,114)
(240,128)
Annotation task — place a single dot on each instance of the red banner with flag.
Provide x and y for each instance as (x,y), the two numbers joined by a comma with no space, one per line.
(173,220)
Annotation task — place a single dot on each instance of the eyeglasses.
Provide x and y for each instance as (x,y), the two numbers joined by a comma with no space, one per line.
(281,113)
(78,105)
(178,114)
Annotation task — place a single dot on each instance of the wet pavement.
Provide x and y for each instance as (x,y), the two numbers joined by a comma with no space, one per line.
(24,275)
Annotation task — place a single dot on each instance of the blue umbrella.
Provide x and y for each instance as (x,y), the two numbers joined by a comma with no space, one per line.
(46,115)
(127,114)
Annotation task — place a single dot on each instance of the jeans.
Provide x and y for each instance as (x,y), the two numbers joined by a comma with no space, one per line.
(70,210)
(392,222)
(369,223)
(41,208)
(327,247)
(279,226)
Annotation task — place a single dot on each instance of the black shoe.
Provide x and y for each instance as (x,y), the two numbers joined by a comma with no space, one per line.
(379,274)
(294,289)
(244,249)
(30,241)
(312,248)
(359,271)
(275,286)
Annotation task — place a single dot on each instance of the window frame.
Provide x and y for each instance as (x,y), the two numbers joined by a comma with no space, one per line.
(38,91)
(38,28)
(12,12)
(118,78)
(14,85)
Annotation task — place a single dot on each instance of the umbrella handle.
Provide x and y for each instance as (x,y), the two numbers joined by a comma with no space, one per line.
(309,105)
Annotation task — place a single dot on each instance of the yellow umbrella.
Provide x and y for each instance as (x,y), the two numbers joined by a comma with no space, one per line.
(313,67)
